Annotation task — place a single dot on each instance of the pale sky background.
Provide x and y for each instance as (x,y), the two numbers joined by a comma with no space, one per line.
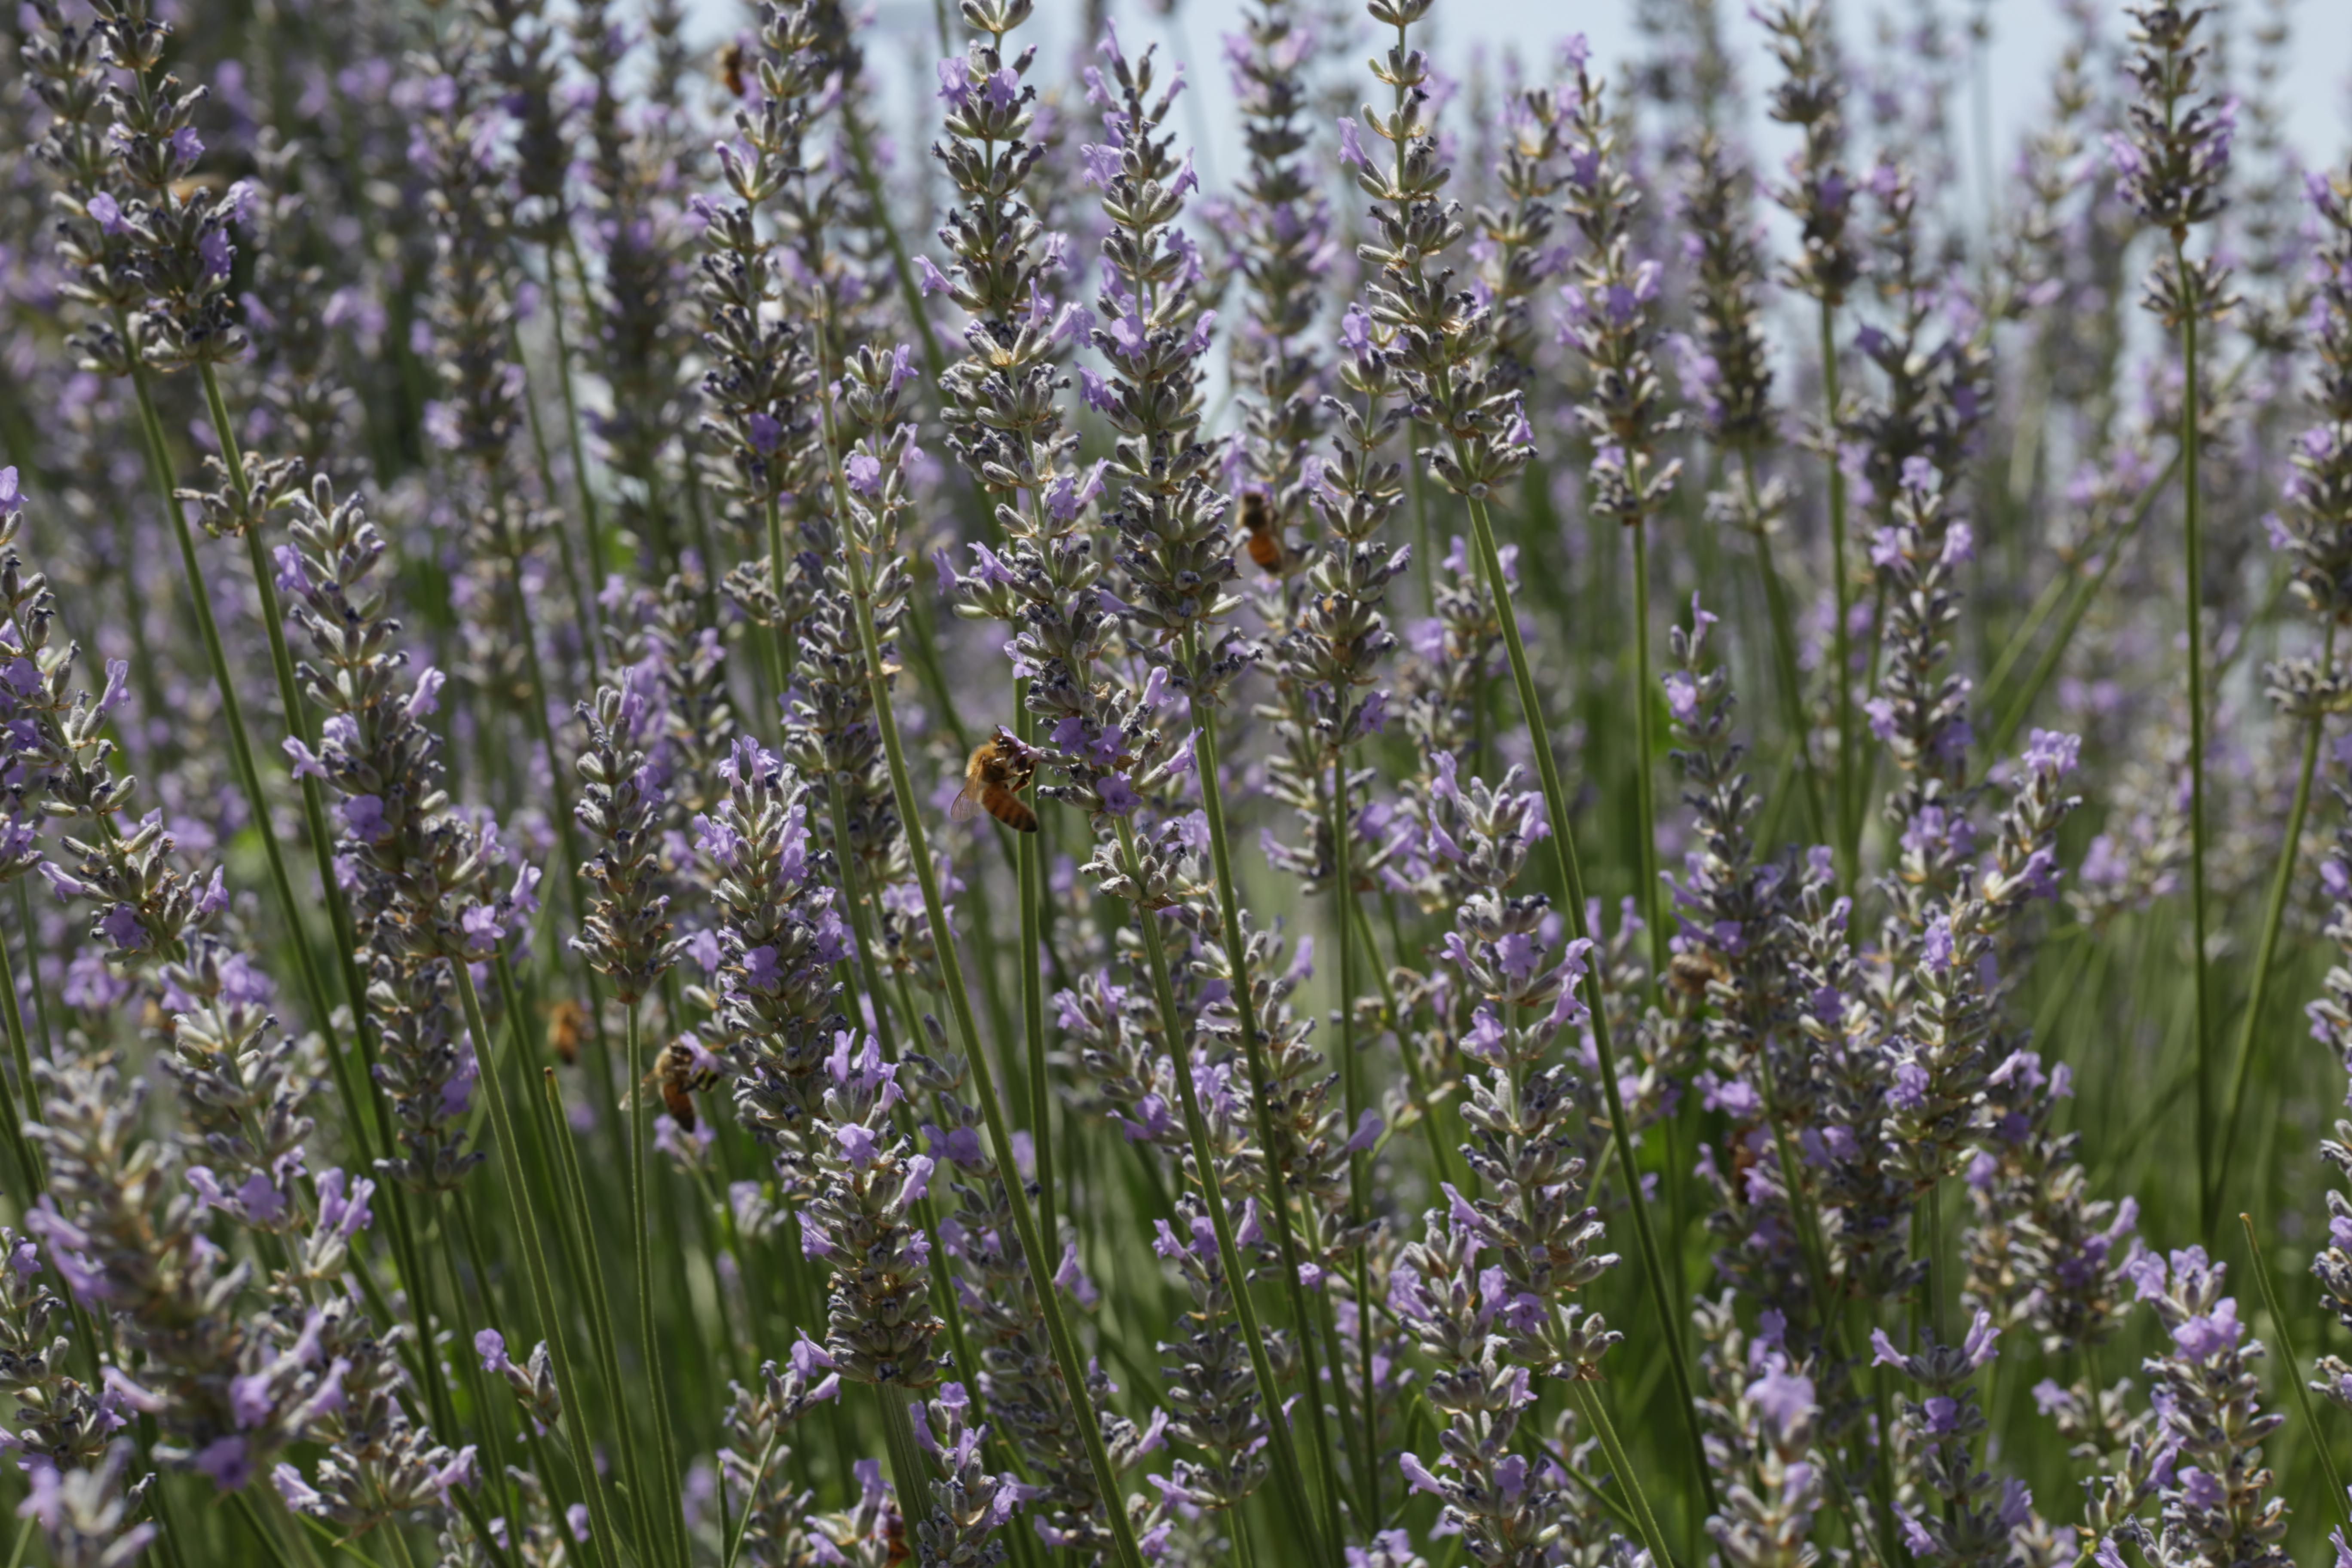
(2026,36)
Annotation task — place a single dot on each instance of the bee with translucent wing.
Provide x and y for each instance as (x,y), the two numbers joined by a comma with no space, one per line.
(998,769)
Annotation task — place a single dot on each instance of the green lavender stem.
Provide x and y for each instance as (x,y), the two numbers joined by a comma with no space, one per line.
(901,269)
(648,1338)
(1849,831)
(542,1289)
(1571,876)
(28,1160)
(907,1466)
(1815,1252)
(2014,717)
(853,894)
(743,1524)
(298,723)
(1253,1051)
(1645,805)
(2266,951)
(581,606)
(476,1380)
(542,728)
(1784,652)
(2193,534)
(1441,1155)
(781,633)
(1024,1223)
(1213,1197)
(33,967)
(248,776)
(869,976)
(1352,1078)
(2295,1372)
(1588,1400)
(588,517)
(2046,603)
(1030,882)
(602,1340)
(314,987)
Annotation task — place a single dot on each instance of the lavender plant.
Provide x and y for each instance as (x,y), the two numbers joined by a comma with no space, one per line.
(1188,1032)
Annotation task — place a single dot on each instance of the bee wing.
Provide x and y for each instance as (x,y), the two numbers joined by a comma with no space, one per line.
(635,1097)
(966,806)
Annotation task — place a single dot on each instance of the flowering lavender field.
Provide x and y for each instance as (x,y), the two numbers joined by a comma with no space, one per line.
(751,823)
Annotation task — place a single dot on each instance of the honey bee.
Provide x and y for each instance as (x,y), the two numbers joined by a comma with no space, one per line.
(565,1022)
(999,770)
(679,1075)
(1692,971)
(1264,534)
(894,1536)
(732,58)
(1745,1158)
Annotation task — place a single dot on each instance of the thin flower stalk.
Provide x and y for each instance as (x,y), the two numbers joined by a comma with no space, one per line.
(541,1285)
(627,939)
(2172,164)
(1819,194)
(2314,532)
(1488,1328)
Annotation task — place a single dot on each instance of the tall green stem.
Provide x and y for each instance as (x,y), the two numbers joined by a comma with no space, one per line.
(1253,1052)
(1040,1266)
(28,1163)
(1029,882)
(907,1466)
(2110,552)
(588,518)
(1784,651)
(869,977)
(24,922)
(901,269)
(581,606)
(604,1340)
(2045,605)
(1815,1252)
(648,1338)
(1571,876)
(1849,832)
(1442,1158)
(1352,1076)
(2266,951)
(781,633)
(2193,534)
(1645,805)
(1213,1198)
(542,1289)
(2295,1372)
(1588,1400)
